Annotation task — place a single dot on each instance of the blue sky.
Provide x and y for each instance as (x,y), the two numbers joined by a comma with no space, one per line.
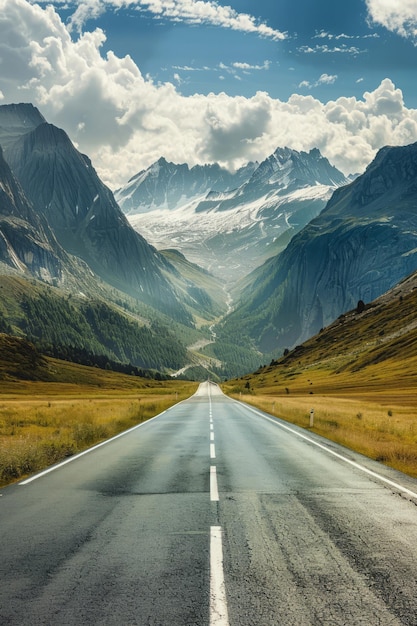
(202,81)
(328,48)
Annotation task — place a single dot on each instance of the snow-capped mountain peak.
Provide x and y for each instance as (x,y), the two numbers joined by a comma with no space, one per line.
(229,223)
(168,185)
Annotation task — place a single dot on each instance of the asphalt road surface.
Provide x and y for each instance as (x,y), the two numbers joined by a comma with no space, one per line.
(211,514)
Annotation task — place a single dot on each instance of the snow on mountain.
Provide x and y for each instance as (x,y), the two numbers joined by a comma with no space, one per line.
(167,185)
(229,229)
(362,244)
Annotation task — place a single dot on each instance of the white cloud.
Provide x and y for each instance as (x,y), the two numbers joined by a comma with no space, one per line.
(188,68)
(399,16)
(325,49)
(325,79)
(248,67)
(208,12)
(326,35)
(189,11)
(86,9)
(231,69)
(124,121)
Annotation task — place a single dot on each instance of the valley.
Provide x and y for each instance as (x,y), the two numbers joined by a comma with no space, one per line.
(229,231)
(208,313)
(284,262)
(359,375)
(191,272)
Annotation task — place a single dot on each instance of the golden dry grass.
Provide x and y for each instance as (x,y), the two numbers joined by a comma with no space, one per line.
(385,429)
(360,377)
(372,411)
(43,422)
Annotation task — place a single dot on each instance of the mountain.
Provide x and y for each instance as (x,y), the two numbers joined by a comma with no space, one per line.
(17,120)
(362,243)
(359,376)
(27,244)
(231,231)
(169,186)
(65,190)
(202,294)
(383,332)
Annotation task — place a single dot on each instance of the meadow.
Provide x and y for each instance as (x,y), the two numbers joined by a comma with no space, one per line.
(42,423)
(372,410)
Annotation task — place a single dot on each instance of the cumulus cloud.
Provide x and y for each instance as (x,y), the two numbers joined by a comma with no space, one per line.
(325,79)
(86,10)
(399,16)
(125,122)
(233,127)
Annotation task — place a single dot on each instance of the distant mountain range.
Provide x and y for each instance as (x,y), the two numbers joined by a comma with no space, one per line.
(229,223)
(306,243)
(361,245)
(168,186)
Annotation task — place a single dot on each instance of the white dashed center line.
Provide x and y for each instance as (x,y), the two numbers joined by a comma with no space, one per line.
(214,491)
(218,604)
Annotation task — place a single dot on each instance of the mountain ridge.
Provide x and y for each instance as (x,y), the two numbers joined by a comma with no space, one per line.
(232,231)
(81,211)
(166,184)
(360,245)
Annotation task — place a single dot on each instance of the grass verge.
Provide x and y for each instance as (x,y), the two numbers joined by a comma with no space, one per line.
(42,423)
(381,426)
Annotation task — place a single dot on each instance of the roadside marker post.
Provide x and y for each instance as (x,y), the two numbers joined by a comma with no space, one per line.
(311,418)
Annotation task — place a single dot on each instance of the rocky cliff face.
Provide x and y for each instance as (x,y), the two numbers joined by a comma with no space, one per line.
(27,244)
(363,243)
(17,120)
(81,211)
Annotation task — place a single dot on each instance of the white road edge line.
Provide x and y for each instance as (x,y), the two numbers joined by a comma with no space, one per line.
(80,454)
(212,451)
(214,491)
(358,466)
(99,445)
(218,604)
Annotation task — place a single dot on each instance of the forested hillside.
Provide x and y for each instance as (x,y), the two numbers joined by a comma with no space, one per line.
(83,329)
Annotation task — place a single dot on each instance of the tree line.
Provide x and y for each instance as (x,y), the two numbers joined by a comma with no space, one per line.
(94,331)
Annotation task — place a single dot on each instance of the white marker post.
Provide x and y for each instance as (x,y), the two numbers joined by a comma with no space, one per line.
(311,418)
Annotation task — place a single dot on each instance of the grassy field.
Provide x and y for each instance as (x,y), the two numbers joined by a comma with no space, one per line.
(373,411)
(359,375)
(43,422)
(383,427)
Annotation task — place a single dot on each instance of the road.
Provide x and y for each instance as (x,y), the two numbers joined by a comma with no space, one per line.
(211,514)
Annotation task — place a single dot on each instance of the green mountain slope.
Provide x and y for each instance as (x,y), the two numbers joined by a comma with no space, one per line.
(373,346)
(82,329)
(361,244)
